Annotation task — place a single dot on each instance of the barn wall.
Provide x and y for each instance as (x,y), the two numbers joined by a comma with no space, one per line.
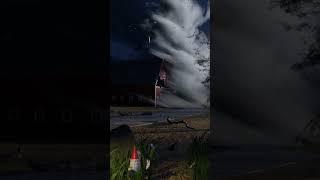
(133,95)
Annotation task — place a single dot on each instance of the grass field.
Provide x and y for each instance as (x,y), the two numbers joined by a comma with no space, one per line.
(176,149)
(175,163)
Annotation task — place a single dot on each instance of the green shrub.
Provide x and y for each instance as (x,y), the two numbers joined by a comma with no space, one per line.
(147,153)
(119,162)
(199,159)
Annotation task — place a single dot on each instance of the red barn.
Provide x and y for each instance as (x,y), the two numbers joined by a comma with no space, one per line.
(137,82)
(162,81)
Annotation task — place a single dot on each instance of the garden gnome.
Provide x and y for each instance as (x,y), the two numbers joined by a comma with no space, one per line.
(135,164)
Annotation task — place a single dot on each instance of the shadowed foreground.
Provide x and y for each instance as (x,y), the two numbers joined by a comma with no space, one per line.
(264,162)
(52,161)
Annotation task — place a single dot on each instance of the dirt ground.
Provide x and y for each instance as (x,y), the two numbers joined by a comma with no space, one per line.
(172,163)
(135,109)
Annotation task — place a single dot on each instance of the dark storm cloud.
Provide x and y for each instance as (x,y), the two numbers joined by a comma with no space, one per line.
(127,25)
(253,80)
(122,51)
(125,19)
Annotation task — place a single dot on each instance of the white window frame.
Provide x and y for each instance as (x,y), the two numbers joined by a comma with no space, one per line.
(39,116)
(63,117)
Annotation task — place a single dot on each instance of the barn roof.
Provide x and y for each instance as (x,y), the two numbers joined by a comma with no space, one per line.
(134,72)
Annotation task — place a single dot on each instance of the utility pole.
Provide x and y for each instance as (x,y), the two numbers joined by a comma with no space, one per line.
(155,94)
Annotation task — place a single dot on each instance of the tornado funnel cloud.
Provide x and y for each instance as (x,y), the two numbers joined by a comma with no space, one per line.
(178,40)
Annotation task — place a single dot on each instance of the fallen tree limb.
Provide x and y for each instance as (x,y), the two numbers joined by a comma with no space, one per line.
(171,121)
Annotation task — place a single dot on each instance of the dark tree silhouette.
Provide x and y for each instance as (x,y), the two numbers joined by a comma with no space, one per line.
(309,13)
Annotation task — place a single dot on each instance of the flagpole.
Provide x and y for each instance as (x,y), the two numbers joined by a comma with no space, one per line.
(155,94)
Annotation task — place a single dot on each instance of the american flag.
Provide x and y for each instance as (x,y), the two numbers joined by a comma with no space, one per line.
(163,75)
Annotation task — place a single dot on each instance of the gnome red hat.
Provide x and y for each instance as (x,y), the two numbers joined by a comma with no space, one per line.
(134,154)
(134,160)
